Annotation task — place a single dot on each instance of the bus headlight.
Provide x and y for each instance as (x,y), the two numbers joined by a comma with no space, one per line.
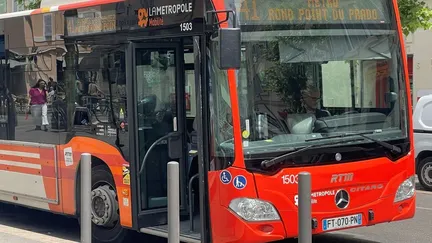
(406,190)
(254,209)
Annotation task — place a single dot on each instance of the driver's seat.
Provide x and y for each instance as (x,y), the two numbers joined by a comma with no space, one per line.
(301,123)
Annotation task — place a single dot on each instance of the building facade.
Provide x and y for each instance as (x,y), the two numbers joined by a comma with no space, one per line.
(420,61)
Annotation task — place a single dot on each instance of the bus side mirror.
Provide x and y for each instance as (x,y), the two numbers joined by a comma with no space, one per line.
(229,48)
(390,97)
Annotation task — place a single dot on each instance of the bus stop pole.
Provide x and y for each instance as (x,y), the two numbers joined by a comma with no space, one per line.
(304,208)
(173,202)
(86,223)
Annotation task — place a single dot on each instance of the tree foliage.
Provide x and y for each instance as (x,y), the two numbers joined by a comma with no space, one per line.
(29,4)
(414,14)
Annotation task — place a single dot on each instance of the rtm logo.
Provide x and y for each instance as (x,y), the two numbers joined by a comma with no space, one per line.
(342,177)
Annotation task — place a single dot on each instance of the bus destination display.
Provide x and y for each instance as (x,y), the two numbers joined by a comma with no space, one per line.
(171,16)
(270,12)
(91,22)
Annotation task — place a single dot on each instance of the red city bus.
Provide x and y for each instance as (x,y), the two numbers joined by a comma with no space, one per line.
(244,94)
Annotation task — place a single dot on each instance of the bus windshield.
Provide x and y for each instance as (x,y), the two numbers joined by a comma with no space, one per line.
(318,68)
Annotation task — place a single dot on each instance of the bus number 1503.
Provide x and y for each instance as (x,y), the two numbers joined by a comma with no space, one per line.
(186,26)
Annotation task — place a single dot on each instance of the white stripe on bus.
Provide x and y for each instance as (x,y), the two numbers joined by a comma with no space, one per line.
(20,164)
(21,183)
(54,9)
(16,14)
(20,154)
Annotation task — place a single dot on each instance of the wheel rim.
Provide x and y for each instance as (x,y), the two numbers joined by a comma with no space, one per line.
(104,207)
(426,174)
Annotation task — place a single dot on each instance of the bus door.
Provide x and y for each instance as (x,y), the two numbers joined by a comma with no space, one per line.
(161,137)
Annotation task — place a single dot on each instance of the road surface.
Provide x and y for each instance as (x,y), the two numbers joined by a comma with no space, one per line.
(21,225)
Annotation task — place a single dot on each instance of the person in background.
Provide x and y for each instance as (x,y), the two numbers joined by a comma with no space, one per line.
(78,92)
(38,103)
(52,85)
(310,96)
(95,93)
(51,90)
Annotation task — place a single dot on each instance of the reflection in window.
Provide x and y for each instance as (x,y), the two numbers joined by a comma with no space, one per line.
(92,96)
(292,81)
(336,85)
(220,101)
(99,83)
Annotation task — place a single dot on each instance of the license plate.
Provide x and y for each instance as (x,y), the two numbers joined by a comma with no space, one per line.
(342,222)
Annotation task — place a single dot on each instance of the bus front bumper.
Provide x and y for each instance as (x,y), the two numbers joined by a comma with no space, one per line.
(229,227)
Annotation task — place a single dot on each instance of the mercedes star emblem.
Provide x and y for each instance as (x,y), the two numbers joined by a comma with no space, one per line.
(342,199)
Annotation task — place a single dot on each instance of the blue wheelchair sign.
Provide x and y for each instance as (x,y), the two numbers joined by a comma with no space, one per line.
(225,177)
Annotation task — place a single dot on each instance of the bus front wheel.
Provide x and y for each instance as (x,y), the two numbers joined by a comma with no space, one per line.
(106,227)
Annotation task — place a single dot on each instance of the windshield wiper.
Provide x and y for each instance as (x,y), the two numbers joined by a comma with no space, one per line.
(386,145)
(269,163)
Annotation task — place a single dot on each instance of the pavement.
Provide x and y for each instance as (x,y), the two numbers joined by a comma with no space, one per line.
(22,225)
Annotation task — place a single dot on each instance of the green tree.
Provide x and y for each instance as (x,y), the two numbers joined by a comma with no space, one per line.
(414,14)
(29,4)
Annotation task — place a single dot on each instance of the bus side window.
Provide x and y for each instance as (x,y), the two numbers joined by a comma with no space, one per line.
(95,94)
(190,98)
(29,103)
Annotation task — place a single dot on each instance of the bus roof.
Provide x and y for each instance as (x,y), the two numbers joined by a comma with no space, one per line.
(75,5)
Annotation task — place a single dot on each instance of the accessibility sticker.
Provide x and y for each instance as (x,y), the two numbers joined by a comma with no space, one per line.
(225,177)
(126,176)
(240,182)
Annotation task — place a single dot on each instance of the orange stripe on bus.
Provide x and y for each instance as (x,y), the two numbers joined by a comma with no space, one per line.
(22,170)
(125,205)
(50,190)
(117,170)
(50,187)
(115,159)
(27,160)
(48,171)
(68,173)
(19,148)
(68,196)
(47,153)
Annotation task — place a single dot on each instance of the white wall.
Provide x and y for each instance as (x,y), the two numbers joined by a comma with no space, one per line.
(419,45)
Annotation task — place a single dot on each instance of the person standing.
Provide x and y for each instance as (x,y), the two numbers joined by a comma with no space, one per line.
(38,103)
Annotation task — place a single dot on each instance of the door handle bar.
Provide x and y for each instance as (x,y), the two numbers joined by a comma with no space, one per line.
(150,149)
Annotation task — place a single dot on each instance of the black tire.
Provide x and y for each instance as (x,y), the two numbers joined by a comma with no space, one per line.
(101,175)
(424,173)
